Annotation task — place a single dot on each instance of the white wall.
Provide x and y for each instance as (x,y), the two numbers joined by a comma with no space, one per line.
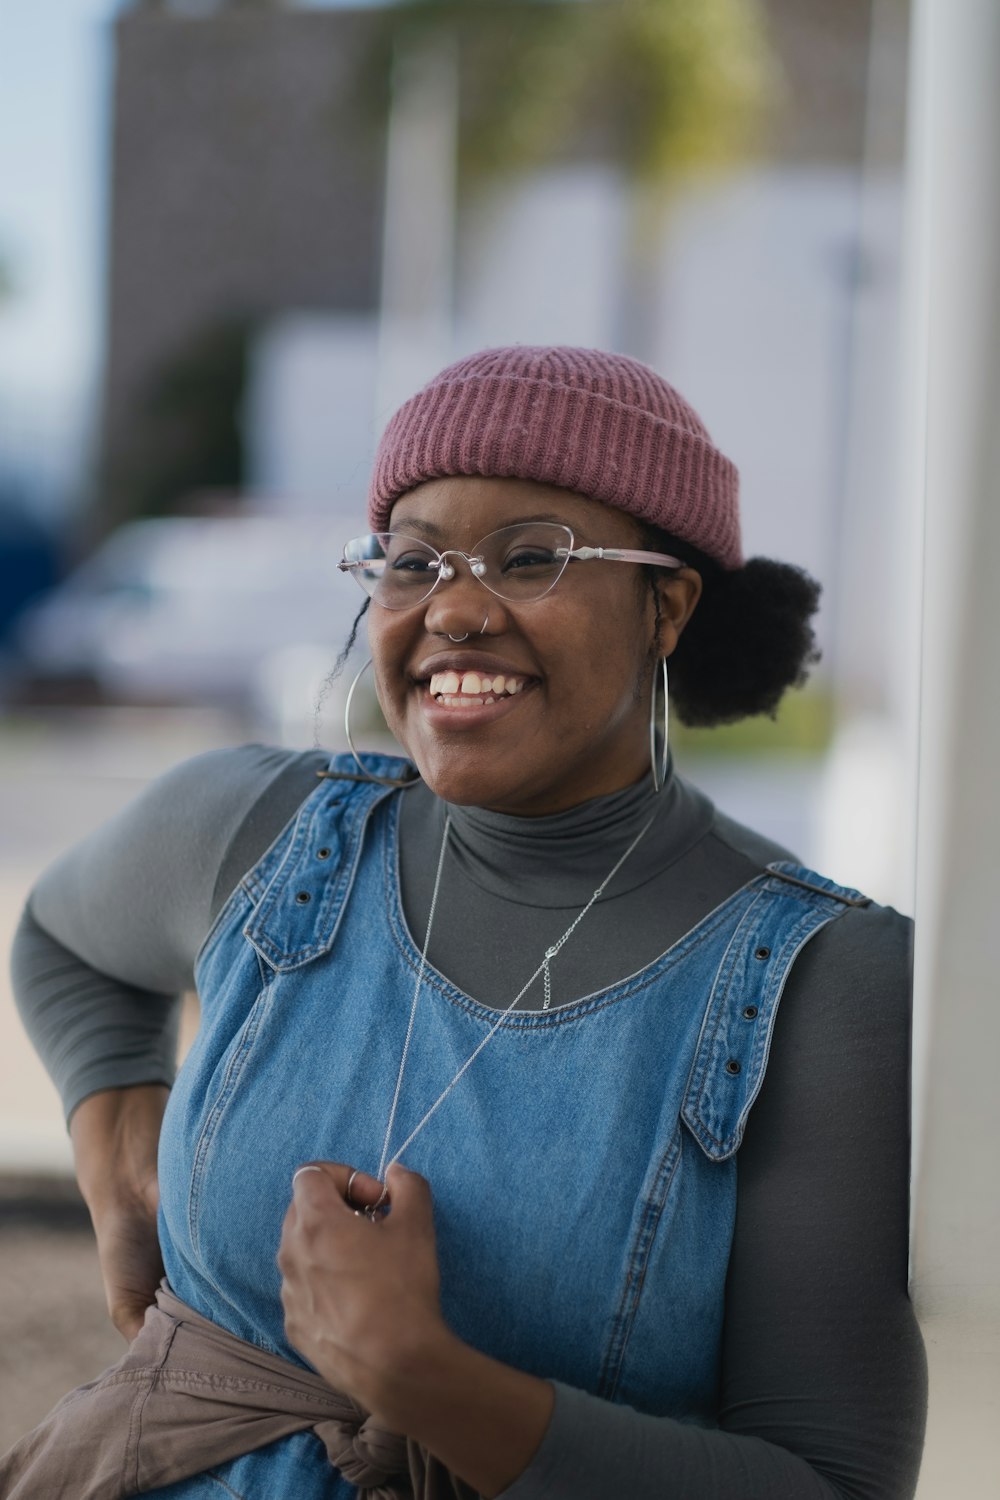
(954,404)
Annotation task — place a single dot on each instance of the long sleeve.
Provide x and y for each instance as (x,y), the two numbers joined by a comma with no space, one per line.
(91,1031)
(110,933)
(823,1388)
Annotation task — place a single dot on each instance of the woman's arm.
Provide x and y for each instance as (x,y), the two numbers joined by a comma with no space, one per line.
(111,930)
(823,1388)
(91,1032)
(106,943)
(115,1136)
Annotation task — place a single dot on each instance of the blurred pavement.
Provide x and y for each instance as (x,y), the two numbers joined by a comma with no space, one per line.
(54,1329)
(61,775)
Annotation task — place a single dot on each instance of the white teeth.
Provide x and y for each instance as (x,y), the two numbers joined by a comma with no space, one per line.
(448,685)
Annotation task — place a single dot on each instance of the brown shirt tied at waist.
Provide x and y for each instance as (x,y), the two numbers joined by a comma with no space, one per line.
(187,1396)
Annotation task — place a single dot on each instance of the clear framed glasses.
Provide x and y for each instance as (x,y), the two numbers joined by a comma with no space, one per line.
(518,563)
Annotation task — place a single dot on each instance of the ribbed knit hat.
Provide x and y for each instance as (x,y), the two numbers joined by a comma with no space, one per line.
(599,424)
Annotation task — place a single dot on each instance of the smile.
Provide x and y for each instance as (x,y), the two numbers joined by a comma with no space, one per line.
(452,689)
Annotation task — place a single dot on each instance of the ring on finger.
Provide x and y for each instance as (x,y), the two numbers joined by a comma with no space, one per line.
(347,1190)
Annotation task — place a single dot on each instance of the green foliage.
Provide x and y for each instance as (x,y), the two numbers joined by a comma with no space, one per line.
(803,725)
(656,86)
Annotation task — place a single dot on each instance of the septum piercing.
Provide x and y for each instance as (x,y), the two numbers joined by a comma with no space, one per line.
(465,637)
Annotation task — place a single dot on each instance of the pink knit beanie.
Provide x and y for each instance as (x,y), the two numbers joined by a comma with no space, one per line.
(600,424)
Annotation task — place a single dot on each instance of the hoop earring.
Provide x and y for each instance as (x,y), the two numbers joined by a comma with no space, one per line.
(366,775)
(659,771)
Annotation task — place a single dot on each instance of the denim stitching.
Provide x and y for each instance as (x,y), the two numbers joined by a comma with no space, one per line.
(637,1266)
(224,917)
(817,914)
(234,1068)
(337,883)
(819,923)
(218,1479)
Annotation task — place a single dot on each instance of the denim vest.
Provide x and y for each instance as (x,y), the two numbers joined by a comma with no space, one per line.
(583,1170)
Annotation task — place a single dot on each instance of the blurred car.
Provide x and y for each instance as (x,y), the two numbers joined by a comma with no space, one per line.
(186,609)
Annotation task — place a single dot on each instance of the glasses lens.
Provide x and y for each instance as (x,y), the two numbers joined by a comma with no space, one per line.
(396,571)
(525,561)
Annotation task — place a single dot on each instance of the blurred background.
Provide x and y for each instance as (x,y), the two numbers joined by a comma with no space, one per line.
(234,236)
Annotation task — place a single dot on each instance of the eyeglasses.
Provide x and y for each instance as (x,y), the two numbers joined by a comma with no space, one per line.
(517,563)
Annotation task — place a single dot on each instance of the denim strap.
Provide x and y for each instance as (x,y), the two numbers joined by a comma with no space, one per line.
(302,884)
(787,907)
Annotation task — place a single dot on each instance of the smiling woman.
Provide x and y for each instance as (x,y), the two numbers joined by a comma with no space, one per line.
(582,1216)
(566,734)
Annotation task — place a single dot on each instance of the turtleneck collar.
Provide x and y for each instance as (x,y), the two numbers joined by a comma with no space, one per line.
(558,860)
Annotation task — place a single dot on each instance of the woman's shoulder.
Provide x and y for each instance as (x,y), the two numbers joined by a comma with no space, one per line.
(243,773)
(866,950)
(757,850)
(240,798)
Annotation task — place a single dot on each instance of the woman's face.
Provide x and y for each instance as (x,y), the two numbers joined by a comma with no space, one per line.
(581,657)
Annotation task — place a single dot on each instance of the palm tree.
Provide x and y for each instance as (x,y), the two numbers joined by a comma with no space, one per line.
(658,89)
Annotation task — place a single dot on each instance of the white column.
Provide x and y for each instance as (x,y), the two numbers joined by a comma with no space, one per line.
(955,382)
(418,237)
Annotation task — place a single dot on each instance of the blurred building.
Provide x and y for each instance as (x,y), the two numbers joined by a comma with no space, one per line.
(241,187)
(288,258)
(247,269)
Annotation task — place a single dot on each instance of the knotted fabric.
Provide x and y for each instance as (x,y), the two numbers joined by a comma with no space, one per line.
(188,1396)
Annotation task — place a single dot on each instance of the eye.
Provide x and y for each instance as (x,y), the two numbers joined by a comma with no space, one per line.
(418,563)
(529,557)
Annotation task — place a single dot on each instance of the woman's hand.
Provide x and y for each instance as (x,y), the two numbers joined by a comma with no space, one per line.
(362,1303)
(361,1295)
(115,1135)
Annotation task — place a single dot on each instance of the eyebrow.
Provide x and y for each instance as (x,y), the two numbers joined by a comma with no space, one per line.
(429,529)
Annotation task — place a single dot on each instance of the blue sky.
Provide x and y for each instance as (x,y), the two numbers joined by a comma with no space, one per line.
(53,74)
(55,69)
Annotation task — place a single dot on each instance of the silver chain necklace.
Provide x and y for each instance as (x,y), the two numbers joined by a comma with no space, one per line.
(543,969)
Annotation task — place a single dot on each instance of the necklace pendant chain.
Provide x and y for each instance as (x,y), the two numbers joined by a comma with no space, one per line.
(543,970)
(550,953)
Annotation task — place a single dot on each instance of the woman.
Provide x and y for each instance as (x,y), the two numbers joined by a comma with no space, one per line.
(539,967)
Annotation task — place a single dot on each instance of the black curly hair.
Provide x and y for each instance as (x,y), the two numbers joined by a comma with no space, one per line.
(749,639)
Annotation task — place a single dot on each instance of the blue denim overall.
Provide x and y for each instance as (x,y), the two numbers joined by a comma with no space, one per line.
(583,1170)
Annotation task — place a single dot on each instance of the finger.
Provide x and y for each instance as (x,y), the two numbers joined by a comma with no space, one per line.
(410,1195)
(315,1183)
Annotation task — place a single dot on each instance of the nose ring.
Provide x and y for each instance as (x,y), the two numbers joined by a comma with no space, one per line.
(465,637)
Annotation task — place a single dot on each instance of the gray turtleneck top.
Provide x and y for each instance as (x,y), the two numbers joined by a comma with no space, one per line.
(823,1390)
